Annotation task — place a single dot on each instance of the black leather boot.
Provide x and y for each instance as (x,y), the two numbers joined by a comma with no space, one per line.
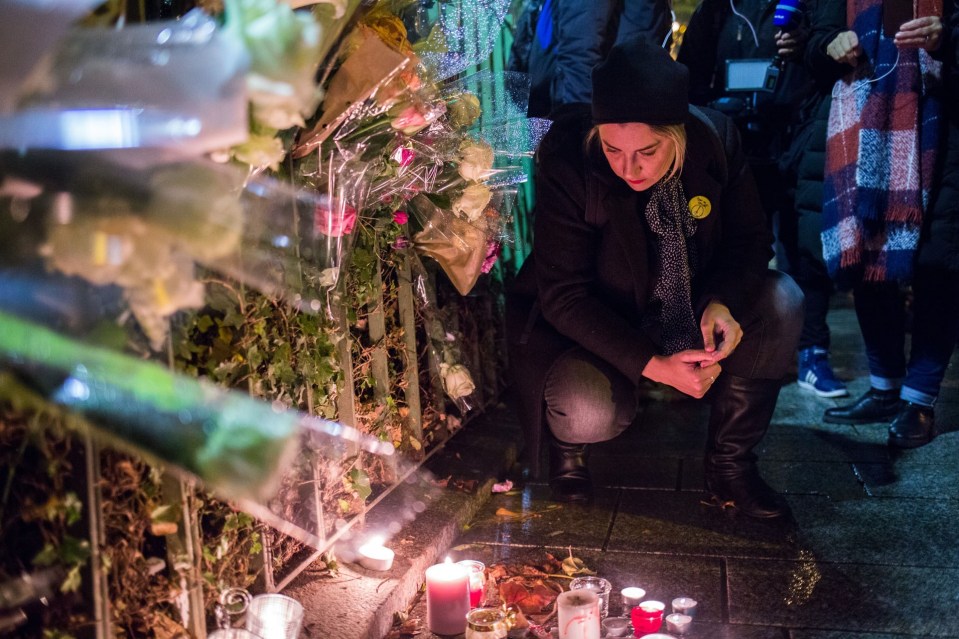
(568,475)
(875,406)
(741,412)
(914,426)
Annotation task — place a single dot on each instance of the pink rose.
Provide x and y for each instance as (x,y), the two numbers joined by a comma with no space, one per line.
(400,217)
(333,220)
(401,242)
(403,156)
(415,118)
(493,250)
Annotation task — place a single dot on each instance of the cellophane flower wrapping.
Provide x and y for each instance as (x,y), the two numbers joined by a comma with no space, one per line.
(240,448)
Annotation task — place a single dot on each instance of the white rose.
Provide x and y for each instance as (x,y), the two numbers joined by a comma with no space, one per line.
(457,381)
(260,151)
(476,160)
(472,202)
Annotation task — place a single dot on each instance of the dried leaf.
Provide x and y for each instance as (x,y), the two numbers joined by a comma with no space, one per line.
(575,566)
(512,592)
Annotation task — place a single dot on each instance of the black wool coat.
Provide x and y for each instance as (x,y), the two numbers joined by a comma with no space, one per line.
(593,266)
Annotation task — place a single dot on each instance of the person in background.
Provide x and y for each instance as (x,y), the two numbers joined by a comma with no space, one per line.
(773,126)
(650,261)
(881,152)
(572,36)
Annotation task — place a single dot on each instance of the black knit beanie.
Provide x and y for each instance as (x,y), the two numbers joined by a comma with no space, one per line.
(640,82)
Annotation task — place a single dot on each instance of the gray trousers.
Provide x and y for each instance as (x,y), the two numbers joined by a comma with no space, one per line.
(588,400)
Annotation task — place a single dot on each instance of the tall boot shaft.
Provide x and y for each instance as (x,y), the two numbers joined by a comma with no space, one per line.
(741,411)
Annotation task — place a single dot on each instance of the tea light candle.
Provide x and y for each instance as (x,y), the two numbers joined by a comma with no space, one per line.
(684,606)
(616,626)
(447,598)
(578,614)
(678,623)
(477,573)
(631,597)
(373,555)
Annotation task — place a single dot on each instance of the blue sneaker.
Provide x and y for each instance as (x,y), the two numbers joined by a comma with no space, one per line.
(816,375)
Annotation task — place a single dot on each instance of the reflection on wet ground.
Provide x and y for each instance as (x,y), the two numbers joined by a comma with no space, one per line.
(872,552)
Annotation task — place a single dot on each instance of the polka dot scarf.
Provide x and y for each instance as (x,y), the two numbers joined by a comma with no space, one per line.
(668,217)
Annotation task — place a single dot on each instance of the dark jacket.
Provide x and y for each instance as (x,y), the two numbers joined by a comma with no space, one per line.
(716,35)
(572,36)
(591,272)
(825,18)
(939,242)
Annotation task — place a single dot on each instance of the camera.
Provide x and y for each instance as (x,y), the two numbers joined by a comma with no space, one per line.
(751,74)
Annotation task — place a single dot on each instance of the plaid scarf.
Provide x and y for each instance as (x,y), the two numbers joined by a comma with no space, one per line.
(879,155)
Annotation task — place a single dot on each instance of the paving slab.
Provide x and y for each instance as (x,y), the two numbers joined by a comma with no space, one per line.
(677,523)
(872,552)
(812,594)
(533,519)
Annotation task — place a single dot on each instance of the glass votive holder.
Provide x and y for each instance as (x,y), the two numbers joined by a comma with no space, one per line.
(274,616)
(598,585)
(616,626)
(685,606)
(631,598)
(477,573)
(577,614)
(647,617)
(678,623)
(487,623)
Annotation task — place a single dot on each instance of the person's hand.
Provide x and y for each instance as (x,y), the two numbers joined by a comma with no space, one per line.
(920,33)
(721,333)
(845,48)
(692,371)
(789,45)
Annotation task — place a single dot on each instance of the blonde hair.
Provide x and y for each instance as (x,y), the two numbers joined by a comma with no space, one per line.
(673,133)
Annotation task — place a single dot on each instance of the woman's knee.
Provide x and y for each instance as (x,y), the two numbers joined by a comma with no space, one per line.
(587,400)
(782,303)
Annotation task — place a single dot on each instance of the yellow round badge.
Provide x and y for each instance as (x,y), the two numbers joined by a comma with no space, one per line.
(700,207)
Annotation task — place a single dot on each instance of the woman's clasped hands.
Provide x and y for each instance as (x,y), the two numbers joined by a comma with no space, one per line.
(694,371)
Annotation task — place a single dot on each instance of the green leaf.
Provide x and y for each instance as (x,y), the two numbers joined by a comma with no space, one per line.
(73,508)
(361,483)
(167,513)
(73,581)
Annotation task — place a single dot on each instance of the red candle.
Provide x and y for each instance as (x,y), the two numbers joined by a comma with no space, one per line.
(477,573)
(447,598)
(647,617)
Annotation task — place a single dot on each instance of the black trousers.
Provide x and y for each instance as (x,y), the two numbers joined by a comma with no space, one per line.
(588,400)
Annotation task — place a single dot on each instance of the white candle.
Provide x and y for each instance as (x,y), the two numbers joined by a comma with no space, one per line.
(678,623)
(447,598)
(631,597)
(684,606)
(373,555)
(578,614)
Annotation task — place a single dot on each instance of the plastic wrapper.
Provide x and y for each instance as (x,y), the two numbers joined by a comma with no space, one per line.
(285,48)
(463,36)
(502,122)
(263,456)
(160,84)
(28,31)
(143,226)
(362,77)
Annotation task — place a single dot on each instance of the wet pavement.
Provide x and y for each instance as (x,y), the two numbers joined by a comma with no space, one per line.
(873,551)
